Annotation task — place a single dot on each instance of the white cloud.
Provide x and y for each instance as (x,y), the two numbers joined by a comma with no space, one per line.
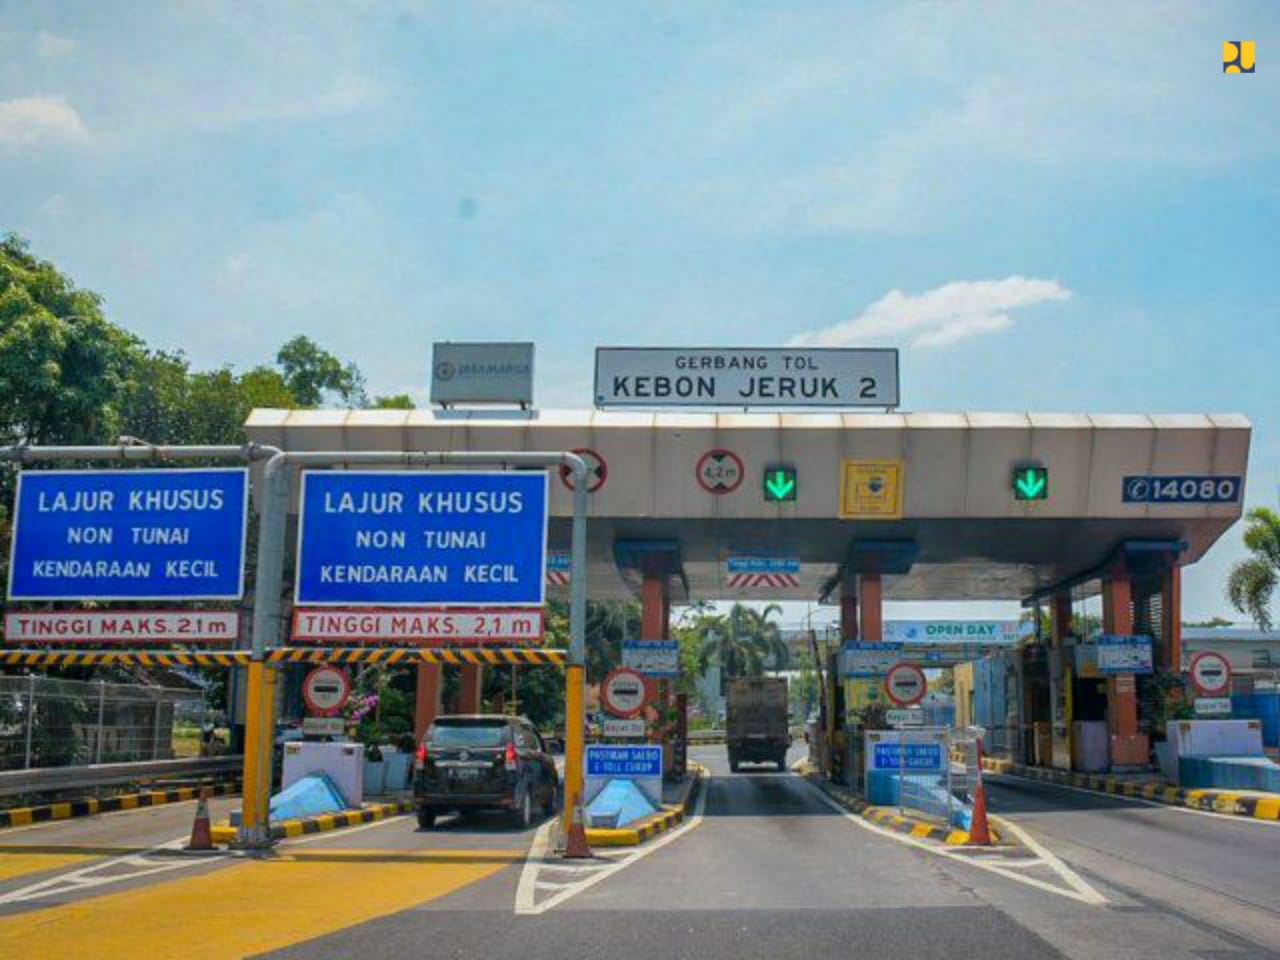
(34,121)
(51,46)
(944,315)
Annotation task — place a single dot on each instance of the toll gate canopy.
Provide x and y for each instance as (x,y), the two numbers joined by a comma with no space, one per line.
(993,506)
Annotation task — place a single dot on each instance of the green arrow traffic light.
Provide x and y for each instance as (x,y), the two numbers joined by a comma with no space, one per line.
(779,484)
(1031,483)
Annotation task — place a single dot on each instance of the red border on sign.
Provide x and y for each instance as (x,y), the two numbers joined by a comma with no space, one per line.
(604,693)
(209,639)
(697,471)
(306,692)
(461,640)
(888,687)
(566,475)
(1226,680)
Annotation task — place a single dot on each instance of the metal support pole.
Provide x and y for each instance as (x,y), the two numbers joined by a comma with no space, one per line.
(902,766)
(155,730)
(31,718)
(267,616)
(102,704)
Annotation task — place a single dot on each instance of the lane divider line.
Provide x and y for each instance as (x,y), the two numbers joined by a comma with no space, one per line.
(1078,889)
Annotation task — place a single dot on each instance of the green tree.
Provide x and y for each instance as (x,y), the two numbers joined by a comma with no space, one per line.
(745,642)
(62,365)
(1252,581)
(396,401)
(311,373)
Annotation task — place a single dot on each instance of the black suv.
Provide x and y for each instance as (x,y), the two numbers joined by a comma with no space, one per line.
(478,761)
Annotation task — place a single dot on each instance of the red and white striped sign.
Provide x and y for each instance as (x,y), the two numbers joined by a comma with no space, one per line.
(780,580)
(558,578)
(423,627)
(115,626)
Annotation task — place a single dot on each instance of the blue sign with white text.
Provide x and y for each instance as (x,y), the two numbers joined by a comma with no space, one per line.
(918,756)
(1182,489)
(636,761)
(129,535)
(763,565)
(422,538)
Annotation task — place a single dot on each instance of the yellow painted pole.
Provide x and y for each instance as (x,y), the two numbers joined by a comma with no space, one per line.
(575,722)
(258,742)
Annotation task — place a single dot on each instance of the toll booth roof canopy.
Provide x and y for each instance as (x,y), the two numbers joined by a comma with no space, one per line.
(974,538)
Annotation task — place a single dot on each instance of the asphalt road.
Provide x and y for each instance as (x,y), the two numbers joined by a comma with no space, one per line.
(770,869)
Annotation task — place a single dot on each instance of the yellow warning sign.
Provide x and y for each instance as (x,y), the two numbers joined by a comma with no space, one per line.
(871,489)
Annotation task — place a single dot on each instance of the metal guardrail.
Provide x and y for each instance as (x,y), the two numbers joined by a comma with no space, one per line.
(52,779)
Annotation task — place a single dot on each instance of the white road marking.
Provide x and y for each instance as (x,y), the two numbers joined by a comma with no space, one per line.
(84,878)
(1080,890)
(526,904)
(1228,817)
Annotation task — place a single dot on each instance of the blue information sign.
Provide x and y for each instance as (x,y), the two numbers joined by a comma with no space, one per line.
(422,538)
(129,535)
(1182,489)
(637,761)
(919,756)
(763,565)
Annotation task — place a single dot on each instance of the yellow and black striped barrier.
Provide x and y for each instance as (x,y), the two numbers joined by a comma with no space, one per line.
(87,807)
(519,656)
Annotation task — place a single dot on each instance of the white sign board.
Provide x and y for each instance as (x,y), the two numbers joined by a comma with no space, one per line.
(1122,653)
(623,728)
(482,373)
(1212,706)
(653,658)
(865,660)
(742,377)
(905,684)
(415,626)
(904,718)
(115,626)
(323,726)
(956,631)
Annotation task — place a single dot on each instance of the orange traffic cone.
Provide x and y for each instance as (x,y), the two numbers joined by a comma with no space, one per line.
(201,834)
(575,846)
(979,832)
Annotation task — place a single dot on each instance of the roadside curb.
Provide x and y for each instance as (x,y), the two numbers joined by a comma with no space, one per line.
(921,829)
(649,828)
(1227,802)
(90,806)
(224,833)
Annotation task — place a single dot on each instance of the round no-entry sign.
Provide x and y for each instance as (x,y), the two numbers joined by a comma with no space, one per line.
(624,692)
(325,690)
(905,684)
(1210,673)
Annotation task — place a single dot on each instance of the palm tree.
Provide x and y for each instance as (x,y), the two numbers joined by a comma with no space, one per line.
(744,641)
(1252,582)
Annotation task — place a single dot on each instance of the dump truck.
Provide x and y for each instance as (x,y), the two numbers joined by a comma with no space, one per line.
(757,728)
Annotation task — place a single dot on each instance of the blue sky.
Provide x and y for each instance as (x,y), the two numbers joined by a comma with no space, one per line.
(1051,207)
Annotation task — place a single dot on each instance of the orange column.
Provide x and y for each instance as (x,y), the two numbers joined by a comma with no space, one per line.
(469,693)
(1129,748)
(869,594)
(848,611)
(1171,602)
(426,701)
(653,608)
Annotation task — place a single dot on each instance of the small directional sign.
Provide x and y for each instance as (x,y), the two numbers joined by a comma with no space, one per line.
(1031,483)
(779,483)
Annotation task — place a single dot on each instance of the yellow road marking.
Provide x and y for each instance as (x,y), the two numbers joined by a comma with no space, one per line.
(243,909)
(16,863)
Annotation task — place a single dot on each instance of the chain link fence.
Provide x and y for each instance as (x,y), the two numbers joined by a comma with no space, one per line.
(50,722)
